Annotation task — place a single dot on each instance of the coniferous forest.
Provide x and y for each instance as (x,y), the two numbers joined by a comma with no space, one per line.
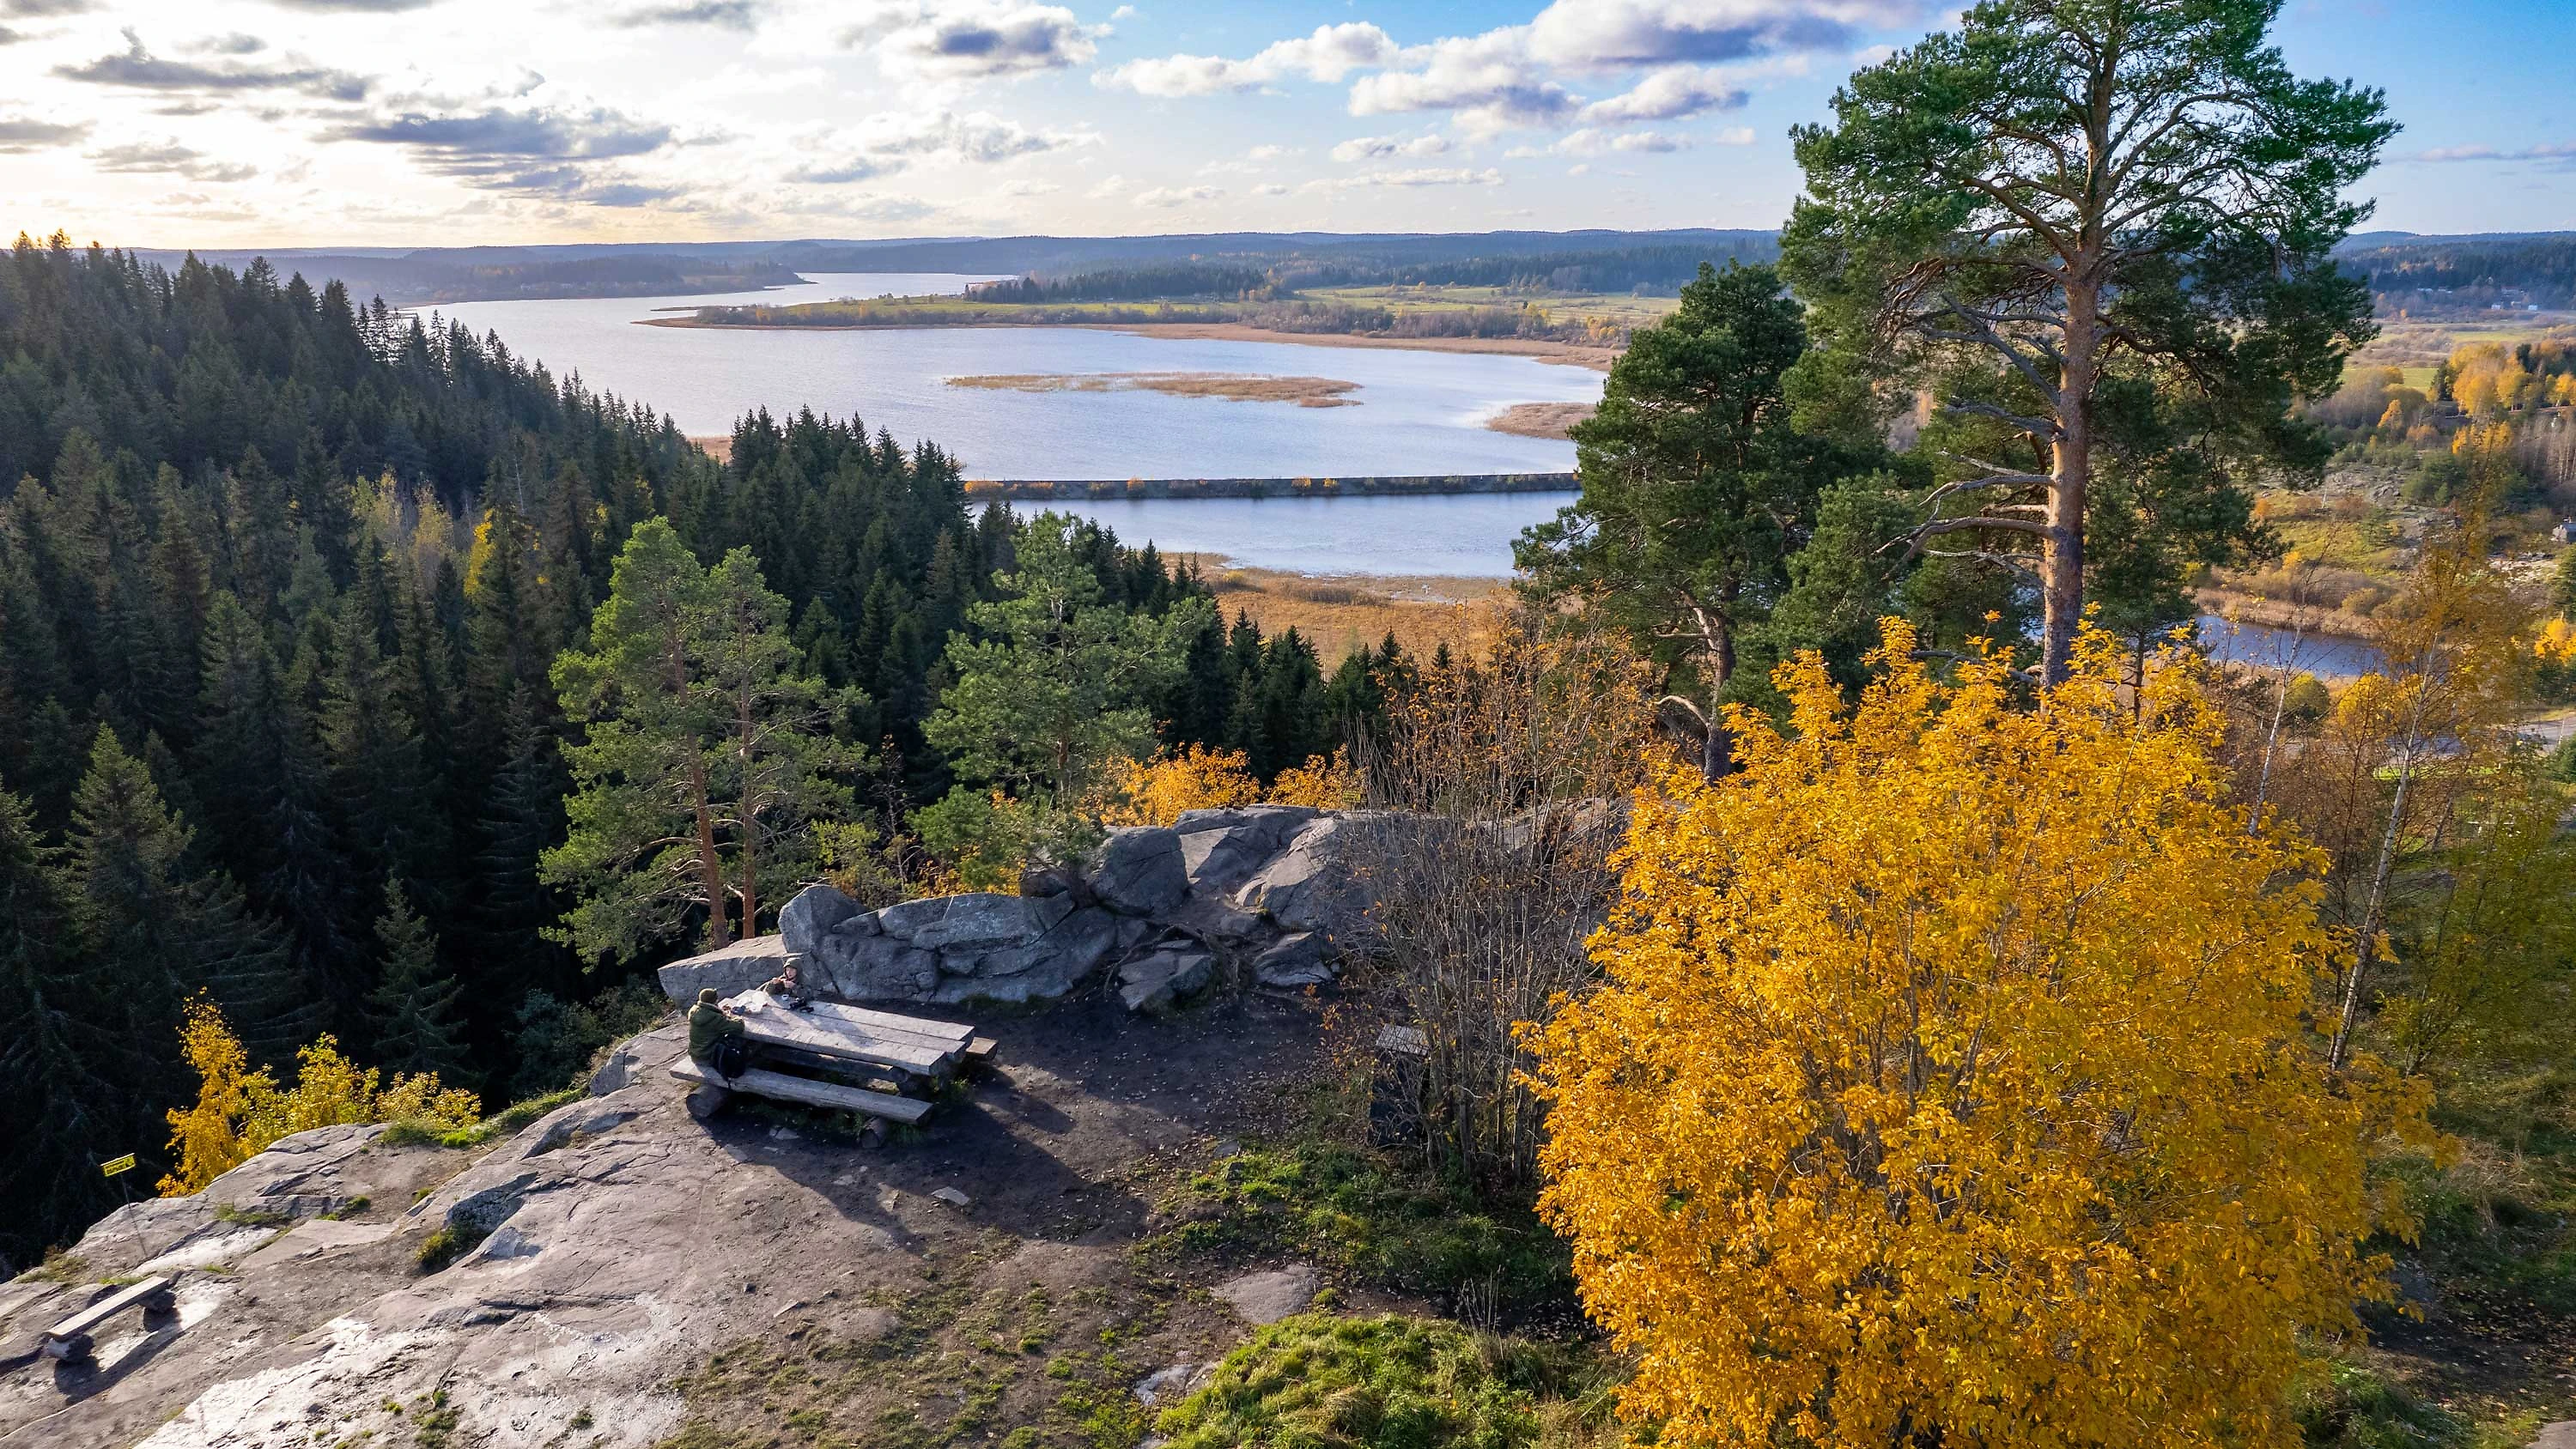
(283,577)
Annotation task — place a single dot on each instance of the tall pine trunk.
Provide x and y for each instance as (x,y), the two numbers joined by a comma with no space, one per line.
(2062,537)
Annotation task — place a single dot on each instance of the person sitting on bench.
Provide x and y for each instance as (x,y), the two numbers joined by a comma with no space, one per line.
(783,986)
(716,1037)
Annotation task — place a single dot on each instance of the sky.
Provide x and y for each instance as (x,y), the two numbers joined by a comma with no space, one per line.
(239,123)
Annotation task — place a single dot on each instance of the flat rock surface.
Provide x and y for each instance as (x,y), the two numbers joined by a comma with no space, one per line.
(628,1242)
(1267,1297)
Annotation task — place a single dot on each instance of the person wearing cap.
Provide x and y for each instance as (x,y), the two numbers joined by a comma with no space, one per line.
(716,1036)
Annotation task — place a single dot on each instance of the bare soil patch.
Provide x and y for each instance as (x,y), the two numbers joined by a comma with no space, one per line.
(1305,392)
(1541,420)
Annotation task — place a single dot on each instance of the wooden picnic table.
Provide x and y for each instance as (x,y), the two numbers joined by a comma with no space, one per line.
(919,1053)
(846,1041)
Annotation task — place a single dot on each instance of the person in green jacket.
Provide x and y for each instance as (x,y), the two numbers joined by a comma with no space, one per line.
(715,1036)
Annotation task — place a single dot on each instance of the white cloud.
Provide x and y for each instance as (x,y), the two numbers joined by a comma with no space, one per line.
(1332,52)
(2546,151)
(1668,95)
(1109,186)
(881,145)
(1270,188)
(1734,136)
(1590,142)
(972,39)
(1376,148)
(1031,188)
(843,171)
(1417,177)
(1609,34)
(1171,196)
(1489,80)
(1273,153)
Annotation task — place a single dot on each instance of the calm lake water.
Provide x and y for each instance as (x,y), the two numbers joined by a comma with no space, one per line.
(1464,535)
(1418,412)
(2327,656)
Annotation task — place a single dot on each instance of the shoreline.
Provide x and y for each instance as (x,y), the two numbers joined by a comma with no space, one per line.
(2333,624)
(1566,354)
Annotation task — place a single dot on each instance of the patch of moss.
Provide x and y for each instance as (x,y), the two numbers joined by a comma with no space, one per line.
(1358,1211)
(508,1120)
(449,1244)
(1320,1382)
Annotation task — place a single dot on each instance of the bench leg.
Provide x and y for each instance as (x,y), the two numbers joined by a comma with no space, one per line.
(705,1102)
(75,1349)
(872,1132)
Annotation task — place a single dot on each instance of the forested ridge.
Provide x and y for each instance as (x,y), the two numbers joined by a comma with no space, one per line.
(284,581)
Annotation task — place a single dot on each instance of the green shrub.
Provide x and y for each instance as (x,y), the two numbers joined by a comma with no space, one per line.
(1320,1382)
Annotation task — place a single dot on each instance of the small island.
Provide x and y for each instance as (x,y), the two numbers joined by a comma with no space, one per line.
(1305,392)
(1541,420)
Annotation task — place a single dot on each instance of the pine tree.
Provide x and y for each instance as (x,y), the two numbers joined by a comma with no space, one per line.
(414,1004)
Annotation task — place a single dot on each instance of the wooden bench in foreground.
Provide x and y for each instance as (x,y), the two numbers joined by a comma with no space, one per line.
(878,1107)
(73,1338)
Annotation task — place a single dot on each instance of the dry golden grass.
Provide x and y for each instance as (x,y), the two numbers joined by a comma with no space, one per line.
(1541,420)
(718,446)
(1305,392)
(1340,614)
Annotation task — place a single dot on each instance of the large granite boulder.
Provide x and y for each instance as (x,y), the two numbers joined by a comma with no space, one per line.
(1309,885)
(729,969)
(1260,895)
(1221,849)
(946,949)
(1141,872)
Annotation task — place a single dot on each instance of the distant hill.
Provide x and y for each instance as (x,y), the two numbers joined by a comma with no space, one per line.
(2472,273)
(1592,260)
(2477,270)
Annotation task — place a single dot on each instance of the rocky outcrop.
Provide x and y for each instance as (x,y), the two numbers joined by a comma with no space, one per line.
(734,968)
(1262,895)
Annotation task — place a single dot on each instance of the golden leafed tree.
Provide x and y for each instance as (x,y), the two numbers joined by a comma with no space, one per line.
(1950,1084)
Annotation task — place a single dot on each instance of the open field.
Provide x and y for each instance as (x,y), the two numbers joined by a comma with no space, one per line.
(1540,420)
(1305,392)
(1339,614)
(2420,347)
(1611,309)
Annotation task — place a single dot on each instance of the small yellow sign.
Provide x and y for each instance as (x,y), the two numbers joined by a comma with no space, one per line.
(122,1164)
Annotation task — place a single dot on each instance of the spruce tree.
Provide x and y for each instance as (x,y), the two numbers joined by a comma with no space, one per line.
(65,1115)
(165,927)
(414,1005)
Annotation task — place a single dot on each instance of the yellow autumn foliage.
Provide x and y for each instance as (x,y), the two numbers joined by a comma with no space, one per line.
(1157,791)
(1950,1082)
(238,1111)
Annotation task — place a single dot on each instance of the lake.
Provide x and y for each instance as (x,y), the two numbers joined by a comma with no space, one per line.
(1418,412)
(1457,535)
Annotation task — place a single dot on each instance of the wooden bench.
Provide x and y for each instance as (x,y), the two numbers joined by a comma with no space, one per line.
(72,1338)
(884,1106)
